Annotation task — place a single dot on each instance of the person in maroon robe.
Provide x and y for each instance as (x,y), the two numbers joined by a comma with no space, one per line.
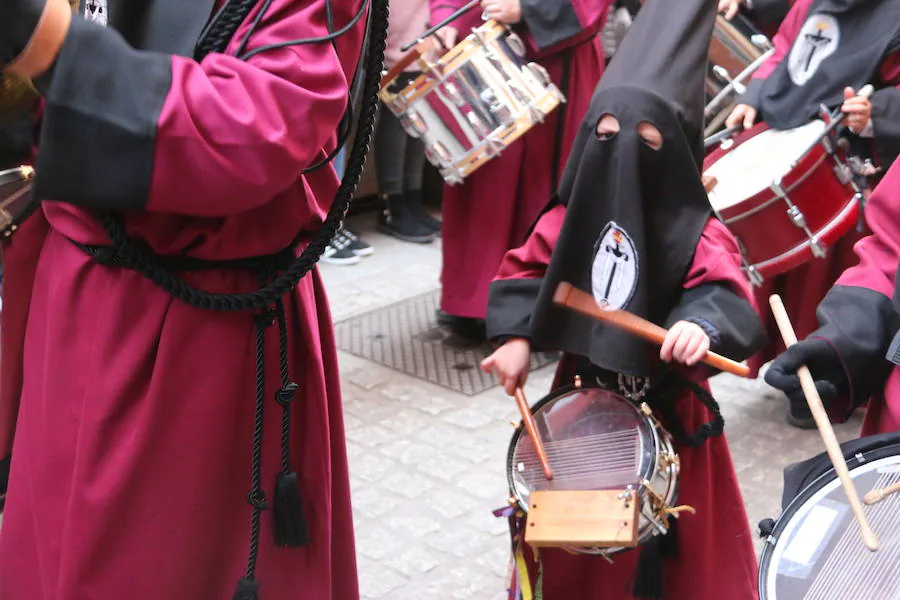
(853,355)
(631,224)
(163,450)
(824,50)
(491,211)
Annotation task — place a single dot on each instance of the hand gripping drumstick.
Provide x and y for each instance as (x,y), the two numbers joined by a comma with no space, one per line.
(837,117)
(531,428)
(574,299)
(876,496)
(824,425)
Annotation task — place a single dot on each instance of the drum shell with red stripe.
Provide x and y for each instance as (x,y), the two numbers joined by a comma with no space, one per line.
(770,240)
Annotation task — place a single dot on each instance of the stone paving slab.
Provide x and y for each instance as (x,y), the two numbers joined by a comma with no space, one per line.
(428,464)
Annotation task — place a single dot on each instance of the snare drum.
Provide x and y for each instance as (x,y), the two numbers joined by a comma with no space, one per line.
(15,198)
(598,440)
(470,104)
(734,46)
(782,216)
(815,551)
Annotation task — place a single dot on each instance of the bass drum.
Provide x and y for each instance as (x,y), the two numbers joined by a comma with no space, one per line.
(815,551)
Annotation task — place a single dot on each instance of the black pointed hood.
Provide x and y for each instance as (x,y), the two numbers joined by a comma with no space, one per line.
(634,214)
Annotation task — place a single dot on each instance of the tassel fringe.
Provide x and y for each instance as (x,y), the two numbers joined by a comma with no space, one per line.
(291,530)
(247,589)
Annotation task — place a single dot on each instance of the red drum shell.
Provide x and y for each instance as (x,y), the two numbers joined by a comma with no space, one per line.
(771,242)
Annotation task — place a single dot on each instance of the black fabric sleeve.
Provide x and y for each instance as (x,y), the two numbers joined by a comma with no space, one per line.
(550,21)
(103,101)
(510,305)
(753,93)
(4,477)
(886,124)
(729,320)
(770,12)
(859,323)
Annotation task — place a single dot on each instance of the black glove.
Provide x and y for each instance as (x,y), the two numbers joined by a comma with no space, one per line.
(18,20)
(823,362)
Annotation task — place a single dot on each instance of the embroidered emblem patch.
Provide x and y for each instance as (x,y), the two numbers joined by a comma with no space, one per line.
(96,11)
(818,39)
(614,274)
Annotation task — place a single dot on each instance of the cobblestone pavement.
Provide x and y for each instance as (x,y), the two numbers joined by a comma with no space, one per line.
(428,464)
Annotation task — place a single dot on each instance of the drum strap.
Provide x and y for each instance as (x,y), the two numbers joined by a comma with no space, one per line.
(666,391)
(665,387)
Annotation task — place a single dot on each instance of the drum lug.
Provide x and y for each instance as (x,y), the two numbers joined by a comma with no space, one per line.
(772,540)
(753,275)
(515,44)
(818,249)
(451,175)
(493,147)
(796,216)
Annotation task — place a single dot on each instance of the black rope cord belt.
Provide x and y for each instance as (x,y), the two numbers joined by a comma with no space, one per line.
(290,526)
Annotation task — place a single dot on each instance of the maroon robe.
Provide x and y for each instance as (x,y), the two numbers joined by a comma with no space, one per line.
(715,558)
(804,287)
(131,458)
(491,211)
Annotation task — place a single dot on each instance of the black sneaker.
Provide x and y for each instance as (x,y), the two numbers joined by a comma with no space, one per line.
(800,416)
(338,252)
(467,327)
(356,245)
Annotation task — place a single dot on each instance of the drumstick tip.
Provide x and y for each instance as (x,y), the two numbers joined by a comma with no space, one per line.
(775,302)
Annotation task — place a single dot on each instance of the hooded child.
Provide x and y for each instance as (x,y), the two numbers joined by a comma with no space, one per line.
(631,224)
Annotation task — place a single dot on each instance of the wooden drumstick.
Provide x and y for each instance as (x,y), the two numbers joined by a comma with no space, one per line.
(572,298)
(825,430)
(876,496)
(531,429)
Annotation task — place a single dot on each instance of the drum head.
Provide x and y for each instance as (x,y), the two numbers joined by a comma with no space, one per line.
(816,552)
(594,440)
(755,164)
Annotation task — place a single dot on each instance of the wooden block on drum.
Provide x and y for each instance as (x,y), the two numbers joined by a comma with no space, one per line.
(597,519)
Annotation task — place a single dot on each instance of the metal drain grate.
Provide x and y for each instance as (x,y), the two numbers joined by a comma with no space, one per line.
(406,337)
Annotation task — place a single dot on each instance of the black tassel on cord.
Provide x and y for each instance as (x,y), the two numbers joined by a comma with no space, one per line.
(247,589)
(290,525)
(648,578)
(291,530)
(668,545)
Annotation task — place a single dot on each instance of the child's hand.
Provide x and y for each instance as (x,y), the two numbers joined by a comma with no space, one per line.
(510,364)
(685,343)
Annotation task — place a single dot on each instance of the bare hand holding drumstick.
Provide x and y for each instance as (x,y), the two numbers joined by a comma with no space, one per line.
(858,109)
(509,363)
(743,114)
(447,35)
(504,11)
(729,8)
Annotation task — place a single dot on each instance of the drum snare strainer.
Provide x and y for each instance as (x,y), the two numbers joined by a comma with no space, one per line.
(596,439)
